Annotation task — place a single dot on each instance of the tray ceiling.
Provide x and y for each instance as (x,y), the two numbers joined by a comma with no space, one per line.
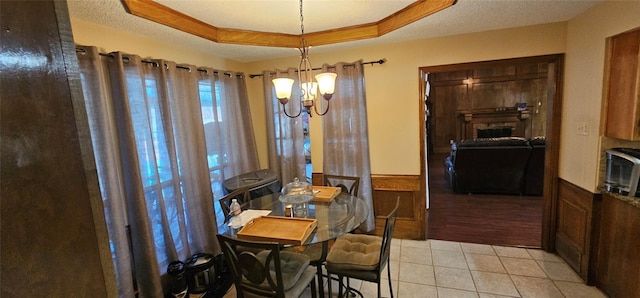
(282,17)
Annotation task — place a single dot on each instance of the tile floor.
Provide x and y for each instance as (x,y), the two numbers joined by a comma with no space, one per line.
(436,268)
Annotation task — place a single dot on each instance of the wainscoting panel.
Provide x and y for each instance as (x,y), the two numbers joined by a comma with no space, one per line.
(411,222)
(317,179)
(577,225)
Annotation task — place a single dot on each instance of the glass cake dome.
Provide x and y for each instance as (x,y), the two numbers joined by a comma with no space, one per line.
(296,192)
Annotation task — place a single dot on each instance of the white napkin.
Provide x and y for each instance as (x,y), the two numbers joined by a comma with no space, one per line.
(248,215)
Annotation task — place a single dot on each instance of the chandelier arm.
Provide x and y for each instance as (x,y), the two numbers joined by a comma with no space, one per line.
(315,107)
(300,69)
(284,108)
(308,87)
(308,75)
(305,64)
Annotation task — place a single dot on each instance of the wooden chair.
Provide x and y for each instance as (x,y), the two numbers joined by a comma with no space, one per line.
(241,194)
(318,252)
(348,184)
(265,271)
(351,255)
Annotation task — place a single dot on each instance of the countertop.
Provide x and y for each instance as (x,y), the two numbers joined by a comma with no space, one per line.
(633,201)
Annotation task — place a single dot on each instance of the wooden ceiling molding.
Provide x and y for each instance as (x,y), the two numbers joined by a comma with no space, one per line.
(164,15)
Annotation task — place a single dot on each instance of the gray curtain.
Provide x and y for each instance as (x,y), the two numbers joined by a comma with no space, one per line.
(152,158)
(346,141)
(285,136)
(231,148)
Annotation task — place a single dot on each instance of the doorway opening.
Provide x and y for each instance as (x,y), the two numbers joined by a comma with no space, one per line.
(520,97)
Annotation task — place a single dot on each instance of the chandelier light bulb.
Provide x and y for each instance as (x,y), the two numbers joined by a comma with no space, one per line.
(326,84)
(283,88)
(309,90)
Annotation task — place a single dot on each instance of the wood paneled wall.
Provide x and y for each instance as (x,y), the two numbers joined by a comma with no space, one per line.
(493,88)
(577,228)
(548,110)
(411,222)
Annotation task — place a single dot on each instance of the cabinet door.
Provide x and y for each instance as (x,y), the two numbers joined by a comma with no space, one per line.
(623,94)
(575,227)
(618,272)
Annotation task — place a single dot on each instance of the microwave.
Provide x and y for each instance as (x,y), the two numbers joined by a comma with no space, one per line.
(623,171)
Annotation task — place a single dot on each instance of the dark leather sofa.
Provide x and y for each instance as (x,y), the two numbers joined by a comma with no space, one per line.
(507,165)
(534,174)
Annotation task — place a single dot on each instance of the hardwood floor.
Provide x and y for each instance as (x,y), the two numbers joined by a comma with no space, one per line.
(480,218)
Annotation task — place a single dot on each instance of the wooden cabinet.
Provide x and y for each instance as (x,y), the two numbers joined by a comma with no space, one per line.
(623,86)
(618,270)
(576,235)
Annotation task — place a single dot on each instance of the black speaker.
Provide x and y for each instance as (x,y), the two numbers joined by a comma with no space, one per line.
(177,273)
(201,274)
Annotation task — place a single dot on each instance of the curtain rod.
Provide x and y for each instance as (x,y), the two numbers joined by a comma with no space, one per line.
(126,59)
(381,61)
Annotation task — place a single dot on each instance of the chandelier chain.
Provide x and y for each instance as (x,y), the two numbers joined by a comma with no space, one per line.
(301,20)
(302,41)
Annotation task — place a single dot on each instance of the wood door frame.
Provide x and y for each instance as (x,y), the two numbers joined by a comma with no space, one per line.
(554,112)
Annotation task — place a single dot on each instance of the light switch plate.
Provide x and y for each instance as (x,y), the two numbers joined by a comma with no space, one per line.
(582,128)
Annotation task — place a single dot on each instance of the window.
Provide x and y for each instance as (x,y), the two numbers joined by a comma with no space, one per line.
(151,156)
(213,119)
(161,177)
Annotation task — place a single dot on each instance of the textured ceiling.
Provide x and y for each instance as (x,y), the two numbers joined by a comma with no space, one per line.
(283,16)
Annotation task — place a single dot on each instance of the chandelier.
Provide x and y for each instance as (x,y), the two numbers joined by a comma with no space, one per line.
(325,82)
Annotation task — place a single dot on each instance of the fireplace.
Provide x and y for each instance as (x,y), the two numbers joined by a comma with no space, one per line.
(497,122)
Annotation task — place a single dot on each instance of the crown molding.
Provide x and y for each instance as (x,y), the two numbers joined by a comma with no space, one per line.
(156,12)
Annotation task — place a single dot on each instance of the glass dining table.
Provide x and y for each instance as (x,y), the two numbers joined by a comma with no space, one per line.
(335,218)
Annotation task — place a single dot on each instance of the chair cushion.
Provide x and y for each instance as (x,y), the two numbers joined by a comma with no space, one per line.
(314,252)
(355,252)
(305,279)
(292,265)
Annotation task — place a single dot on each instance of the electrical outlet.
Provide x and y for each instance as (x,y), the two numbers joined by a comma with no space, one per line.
(582,129)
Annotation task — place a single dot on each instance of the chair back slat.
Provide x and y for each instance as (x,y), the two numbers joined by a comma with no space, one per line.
(348,184)
(242,194)
(249,272)
(251,268)
(389,227)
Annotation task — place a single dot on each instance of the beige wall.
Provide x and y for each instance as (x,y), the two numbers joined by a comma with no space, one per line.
(392,89)
(584,75)
(110,40)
